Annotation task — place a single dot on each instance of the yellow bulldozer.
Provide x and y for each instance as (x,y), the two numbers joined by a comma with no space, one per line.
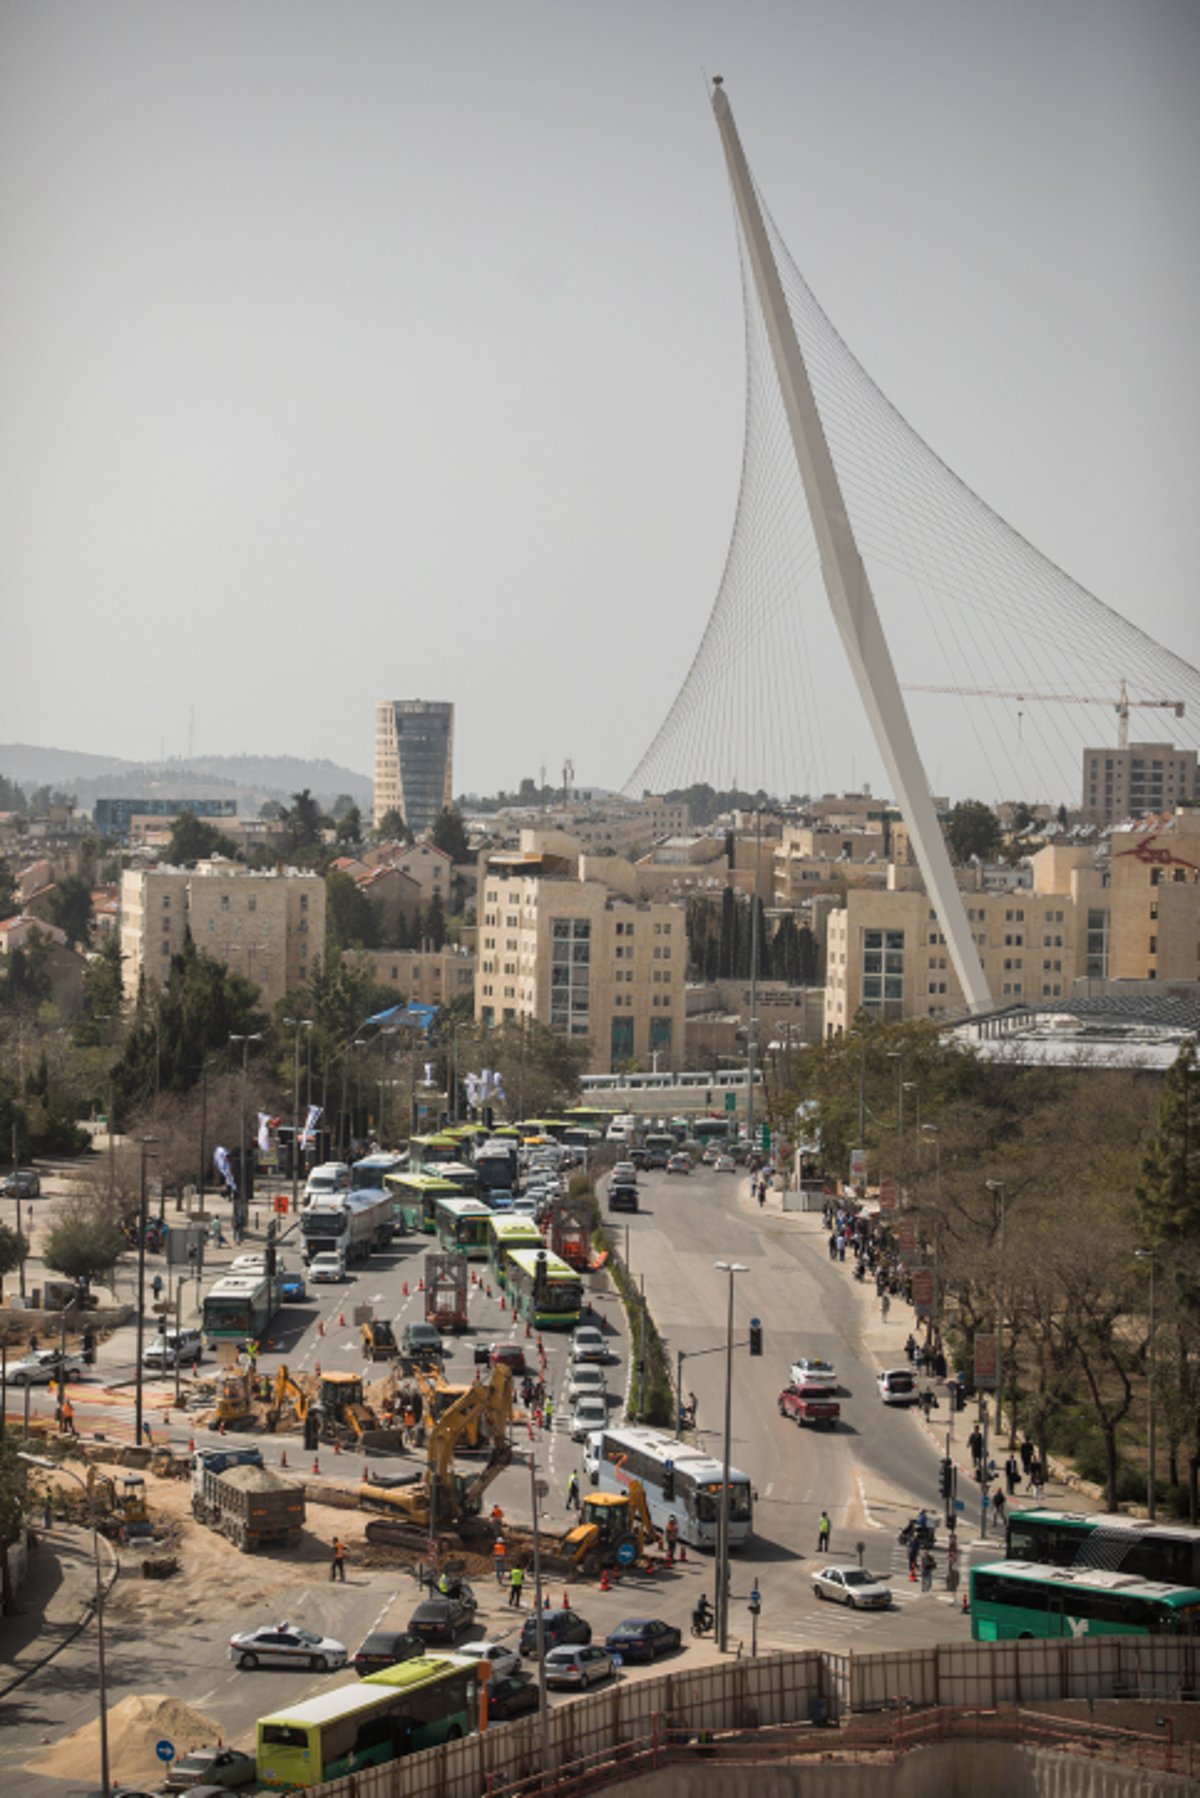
(344,1412)
(120,1509)
(614,1529)
(233,1404)
(441,1500)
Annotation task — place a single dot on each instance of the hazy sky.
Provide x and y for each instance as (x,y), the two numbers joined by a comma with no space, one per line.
(385,350)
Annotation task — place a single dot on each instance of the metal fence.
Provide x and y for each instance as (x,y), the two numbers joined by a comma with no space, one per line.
(885,1703)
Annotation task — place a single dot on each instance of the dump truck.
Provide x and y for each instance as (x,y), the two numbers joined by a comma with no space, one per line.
(252,1505)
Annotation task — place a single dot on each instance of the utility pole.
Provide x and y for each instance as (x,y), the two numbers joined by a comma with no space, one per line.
(241,1203)
(752,1034)
(297,1024)
(731,1268)
(141,1294)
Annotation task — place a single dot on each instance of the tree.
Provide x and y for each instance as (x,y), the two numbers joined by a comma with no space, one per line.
(173,1033)
(350,825)
(972,829)
(302,822)
(71,908)
(26,984)
(8,890)
(351,920)
(391,828)
(85,1241)
(1168,1191)
(13,1250)
(194,839)
(433,924)
(103,994)
(450,834)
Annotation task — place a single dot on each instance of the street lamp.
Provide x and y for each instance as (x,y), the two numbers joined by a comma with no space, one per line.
(897,1055)
(1001,1187)
(242,1198)
(752,1037)
(731,1268)
(102,1682)
(1151,1256)
(141,1292)
(296,1024)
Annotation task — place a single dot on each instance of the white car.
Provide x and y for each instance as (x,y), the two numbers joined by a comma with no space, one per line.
(592,1456)
(588,1344)
(591,1413)
(330,1177)
(586,1379)
(41,1367)
(172,1346)
(328,1265)
(286,1645)
(852,1586)
(814,1372)
(525,1206)
(899,1386)
(502,1658)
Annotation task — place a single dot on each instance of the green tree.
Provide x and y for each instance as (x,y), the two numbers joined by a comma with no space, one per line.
(12,797)
(103,995)
(194,839)
(1168,1190)
(351,920)
(350,825)
(433,923)
(14,1491)
(85,1241)
(71,908)
(13,1249)
(8,889)
(391,828)
(972,829)
(450,834)
(25,984)
(302,822)
(175,1031)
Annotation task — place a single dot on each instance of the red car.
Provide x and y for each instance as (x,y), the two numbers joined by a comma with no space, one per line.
(809,1404)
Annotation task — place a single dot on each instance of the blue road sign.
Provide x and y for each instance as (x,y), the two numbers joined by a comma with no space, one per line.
(627,1553)
(165,1750)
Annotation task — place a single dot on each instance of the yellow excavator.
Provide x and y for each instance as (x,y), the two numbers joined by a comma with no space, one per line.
(343,1410)
(378,1340)
(233,1403)
(438,1395)
(286,1395)
(119,1511)
(440,1499)
(614,1529)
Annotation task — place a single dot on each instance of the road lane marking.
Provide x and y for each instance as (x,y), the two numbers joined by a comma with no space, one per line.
(862,1493)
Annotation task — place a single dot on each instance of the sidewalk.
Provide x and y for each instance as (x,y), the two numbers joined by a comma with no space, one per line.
(54,1604)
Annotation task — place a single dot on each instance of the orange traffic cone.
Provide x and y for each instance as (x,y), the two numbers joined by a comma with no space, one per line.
(341,1320)
(566,1603)
(404,1289)
(316,1464)
(604,1580)
(366,1478)
(191,1445)
(964,1607)
(503,1306)
(320,1326)
(682,1550)
(421,1285)
(283,1458)
(912,1571)
(337,1447)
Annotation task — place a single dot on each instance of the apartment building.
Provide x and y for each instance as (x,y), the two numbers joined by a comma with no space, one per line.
(1154,898)
(422,976)
(1132,782)
(572,944)
(269,927)
(414,760)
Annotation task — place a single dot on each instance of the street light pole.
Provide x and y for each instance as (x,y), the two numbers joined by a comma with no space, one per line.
(752,1035)
(296,1024)
(731,1268)
(1001,1187)
(242,1198)
(141,1295)
(102,1681)
(1151,1256)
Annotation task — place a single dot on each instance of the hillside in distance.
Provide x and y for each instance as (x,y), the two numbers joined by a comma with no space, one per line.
(248,779)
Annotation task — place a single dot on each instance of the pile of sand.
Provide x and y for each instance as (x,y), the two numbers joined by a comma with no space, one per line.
(134,1726)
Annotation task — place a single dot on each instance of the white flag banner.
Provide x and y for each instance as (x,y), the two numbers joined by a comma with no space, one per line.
(310,1125)
(264,1133)
(224,1167)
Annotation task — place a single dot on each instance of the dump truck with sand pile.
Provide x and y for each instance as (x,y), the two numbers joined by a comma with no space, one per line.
(252,1505)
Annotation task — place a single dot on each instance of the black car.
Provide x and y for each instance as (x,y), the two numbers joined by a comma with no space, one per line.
(559,1629)
(511,1696)
(442,1619)
(622,1197)
(386,1648)
(24,1184)
(641,1638)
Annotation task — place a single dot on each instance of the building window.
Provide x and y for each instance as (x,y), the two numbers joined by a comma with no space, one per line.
(224,901)
(883,972)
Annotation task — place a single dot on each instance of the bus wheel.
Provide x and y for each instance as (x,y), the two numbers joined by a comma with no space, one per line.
(454,1733)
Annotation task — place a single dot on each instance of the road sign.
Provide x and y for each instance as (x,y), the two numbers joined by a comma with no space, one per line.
(731,1101)
(858,1167)
(985,1361)
(766,1139)
(627,1553)
(165,1750)
(887,1194)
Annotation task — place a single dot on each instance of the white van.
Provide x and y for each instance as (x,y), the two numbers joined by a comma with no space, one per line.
(330,1177)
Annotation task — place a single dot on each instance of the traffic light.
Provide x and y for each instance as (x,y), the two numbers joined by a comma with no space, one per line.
(756,1337)
(946,1478)
(668,1482)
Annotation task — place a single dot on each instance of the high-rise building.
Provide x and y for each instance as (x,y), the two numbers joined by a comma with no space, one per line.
(414,760)
(1145,777)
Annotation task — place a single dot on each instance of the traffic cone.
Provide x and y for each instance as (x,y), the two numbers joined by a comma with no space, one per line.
(421,1285)
(964,1607)
(604,1579)
(283,1458)
(912,1572)
(316,1464)
(320,1326)
(681,1551)
(341,1320)
(191,1445)
(404,1289)
(566,1603)
(337,1447)
(503,1306)
(366,1478)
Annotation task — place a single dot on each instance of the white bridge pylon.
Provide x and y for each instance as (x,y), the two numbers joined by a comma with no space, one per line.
(845,578)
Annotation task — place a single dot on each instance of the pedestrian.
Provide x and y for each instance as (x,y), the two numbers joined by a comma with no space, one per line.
(762,1193)
(952,1563)
(337,1563)
(33,1342)
(824,1530)
(998,1507)
(516,1580)
(691,1408)
(573,1492)
(910,1347)
(443,1584)
(928,1567)
(885,1305)
(147,1432)
(841,1248)
(975,1444)
(548,1413)
(672,1538)
(499,1559)
(66,1419)
(1011,1474)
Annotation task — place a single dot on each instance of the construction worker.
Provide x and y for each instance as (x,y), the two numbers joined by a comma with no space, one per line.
(499,1559)
(824,1530)
(573,1492)
(443,1584)
(66,1419)
(337,1564)
(548,1412)
(516,1580)
(497,1520)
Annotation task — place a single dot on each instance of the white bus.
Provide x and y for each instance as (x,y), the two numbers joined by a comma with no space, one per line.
(656,1459)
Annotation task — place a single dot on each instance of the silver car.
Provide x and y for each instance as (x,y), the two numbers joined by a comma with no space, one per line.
(286,1645)
(41,1367)
(852,1586)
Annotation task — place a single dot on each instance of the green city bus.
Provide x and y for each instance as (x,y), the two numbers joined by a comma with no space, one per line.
(399,1711)
(1018,1599)
(428,1151)
(509,1233)
(464,1227)
(1154,1551)
(544,1289)
(418,1194)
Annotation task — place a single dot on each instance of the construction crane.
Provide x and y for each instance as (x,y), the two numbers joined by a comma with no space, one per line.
(1122,706)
